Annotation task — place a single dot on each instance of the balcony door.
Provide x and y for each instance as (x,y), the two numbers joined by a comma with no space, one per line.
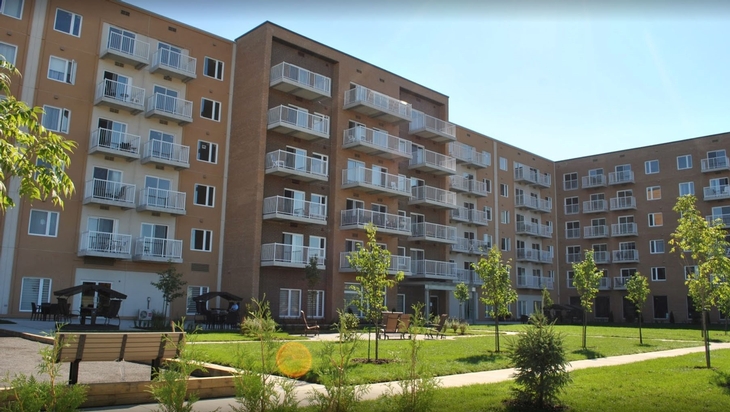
(107,183)
(380,138)
(297,201)
(116,86)
(380,175)
(121,40)
(294,249)
(720,186)
(154,238)
(165,99)
(355,170)
(297,159)
(162,144)
(417,152)
(111,134)
(716,158)
(169,55)
(317,246)
(158,191)
(318,207)
(101,232)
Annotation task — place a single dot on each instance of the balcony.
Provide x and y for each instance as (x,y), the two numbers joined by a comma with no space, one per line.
(296,166)
(623,203)
(533,203)
(286,209)
(595,206)
(462,214)
(376,143)
(621,178)
(166,154)
(153,249)
(572,209)
(716,192)
(429,195)
(385,222)
(107,245)
(725,218)
(532,177)
(534,282)
(397,264)
(432,232)
(300,82)
(471,186)
(595,232)
(464,153)
(376,182)
(604,283)
(593,181)
(432,162)
(431,128)
(111,142)
(290,256)
(619,283)
(471,246)
(534,255)
(715,164)
(573,233)
(163,201)
(625,256)
(601,257)
(534,229)
(377,105)
(109,193)
(298,123)
(169,108)
(124,49)
(174,64)
(433,269)
(120,96)
(624,229)
(573,257)
(468,276)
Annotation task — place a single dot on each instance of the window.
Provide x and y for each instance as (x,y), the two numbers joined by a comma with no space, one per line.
(503,190)
(43,223)
(8,51)
(213,68)
(656,219)
(488,212)
(290,301)
(204,195)
(658,274)
(352,296)
(207,152)
(400,303)
(651,167)
(12,8)
(505,244)
(315,304)
(210,109)
(503,163)
(653,193)
(67,22)
(661,307)
(572,254)
(194,292)
(572,205)
(572,230)
(690,271)
(687,188)
(56,119)
(504,217)
(34,290)
(570,181)
(201,240)
(488,185)
(656,246)
(570,275)
(684,162)
(62,70)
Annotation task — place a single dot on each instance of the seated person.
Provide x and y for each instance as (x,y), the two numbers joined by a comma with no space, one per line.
(234,307)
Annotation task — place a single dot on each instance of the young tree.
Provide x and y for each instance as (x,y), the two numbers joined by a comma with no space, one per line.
(372,264)
(497,289)
(313,275)
(638,290)
(702,244)
(170,283)
(29,152)
(547,302)
(723,301)
(586,279)
(461,293)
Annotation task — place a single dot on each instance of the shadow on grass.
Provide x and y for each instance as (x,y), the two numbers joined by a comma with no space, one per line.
(589,353)
(478,359)
(722,379)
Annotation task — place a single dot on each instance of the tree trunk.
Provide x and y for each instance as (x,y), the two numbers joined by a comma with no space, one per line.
(707,338)
(641,339)
(496,334)
(726,317)
(585,328)
(377,339)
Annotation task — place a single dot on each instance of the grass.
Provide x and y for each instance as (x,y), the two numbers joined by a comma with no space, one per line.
(205,336)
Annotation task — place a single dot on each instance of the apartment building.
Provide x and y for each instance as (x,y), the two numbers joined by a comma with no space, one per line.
(147,100)
(620,204)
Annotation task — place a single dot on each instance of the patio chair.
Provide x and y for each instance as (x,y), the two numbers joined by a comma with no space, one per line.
(404,324)
(112,312)
(64,311)
(314,328)
(36,312)
(390,324)
(438,328)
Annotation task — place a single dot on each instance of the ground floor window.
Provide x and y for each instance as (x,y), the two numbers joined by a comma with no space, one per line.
(602,307)
(692,313)
(34,290)
(521,308)
(290,303)
(194,292)
(352,296)
(400,305)
(629,310)
(315,304)
(661,307)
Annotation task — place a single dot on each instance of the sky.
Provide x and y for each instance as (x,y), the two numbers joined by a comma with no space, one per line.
(562,79)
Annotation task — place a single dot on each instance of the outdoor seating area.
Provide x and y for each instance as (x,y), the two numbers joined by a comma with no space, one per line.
(217,318)
(395,323)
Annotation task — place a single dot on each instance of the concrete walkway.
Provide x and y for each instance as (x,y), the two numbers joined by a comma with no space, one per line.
(303,389)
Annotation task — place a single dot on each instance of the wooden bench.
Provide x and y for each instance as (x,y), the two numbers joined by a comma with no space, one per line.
(152,347)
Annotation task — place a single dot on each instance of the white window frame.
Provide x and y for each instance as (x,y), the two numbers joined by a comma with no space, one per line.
(653,219)
(655,274)
(688,185)
(573,182)
(73,23)
(655,245)
(210,150)
(649,167)
(505,244)
(315,304)
(487,184)
(293,309)
(355,296)
(2,9)
(504,190)
(12,58)
(687,161)
(209,195)
(488,213)
(194,292)
(650,192)
(215,109)
(503,164)
(207,238)
(690,269)
(48,218)
(41,297)
(60,127)
(219,68)
(69,73)
(504,217)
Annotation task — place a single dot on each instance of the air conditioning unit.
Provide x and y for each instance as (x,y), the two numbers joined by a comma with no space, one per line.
(145,314)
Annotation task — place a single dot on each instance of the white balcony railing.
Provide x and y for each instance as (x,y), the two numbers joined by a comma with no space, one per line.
(630,255)
(573,257)
(120,95)
(619,283)
(534,229)
(572,209)
(597,231)
(94,243)
(601,257)
(594,206)
(376,104)
(169,107)
(468,276)
(572,233)
(294,164)
(397,263)
(604,283)
(534,282)
(431,127)
(158,249)
(623,203)
(593,181)
(534,255)
(622,177)
(376,181)
(716,192)
(120,44)
(174,62)
(376,142)
(433,196)
(462,214)
(113,142)
(468,154)
(462,184)
(712,164)
(306,83)
(162,200)
(724,218)
(166,153)
(433,232)
(533,177)
(109,192)
(281,254)
(624,229)
(433,268)
(476,246)
(385,222)
(531,202)
(296,209)
(297,122)
(431,161)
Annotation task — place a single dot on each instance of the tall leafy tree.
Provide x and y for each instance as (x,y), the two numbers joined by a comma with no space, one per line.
(29,152)
(497,291)
(372,263)
(461,293)
(702,244)
(638,291)
(586,279)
